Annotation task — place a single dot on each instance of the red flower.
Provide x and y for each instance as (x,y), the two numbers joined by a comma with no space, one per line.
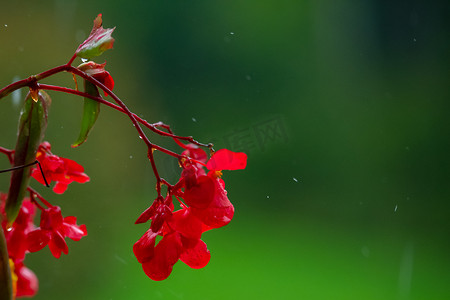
(53,229)
(181,241)
(206,194)
(181,231)
(17,233)
(98,72)
(27,283)
(59,169)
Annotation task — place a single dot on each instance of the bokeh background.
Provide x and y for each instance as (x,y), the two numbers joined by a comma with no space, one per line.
(342,107)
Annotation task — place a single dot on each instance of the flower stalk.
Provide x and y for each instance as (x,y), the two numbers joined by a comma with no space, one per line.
(200,191)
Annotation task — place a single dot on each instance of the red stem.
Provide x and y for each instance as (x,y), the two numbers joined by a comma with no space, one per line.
(139,119)
(8,153)
(46,203)
(32,81)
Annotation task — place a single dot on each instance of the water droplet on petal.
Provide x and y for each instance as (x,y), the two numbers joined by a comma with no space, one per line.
(84,60)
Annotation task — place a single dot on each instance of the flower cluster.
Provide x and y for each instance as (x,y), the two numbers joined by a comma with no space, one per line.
(23,236)
(206,206)
(200,190)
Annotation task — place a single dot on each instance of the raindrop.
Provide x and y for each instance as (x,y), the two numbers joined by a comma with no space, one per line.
(194,119)
(232,33)
(84,60)
(395,208)
(295,179)
(131,156)
(267,197)
(414,40)
(6,25)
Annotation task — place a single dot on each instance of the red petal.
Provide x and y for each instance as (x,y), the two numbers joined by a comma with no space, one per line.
(72,230)
(58,244)
(225,159)
(215,217)
(27,282)
(60,187)
(146,215)
(166,255)
(220,212)
(195,152)
(196,257)
(37,239)
(201,194)
(143,249)
(186,224)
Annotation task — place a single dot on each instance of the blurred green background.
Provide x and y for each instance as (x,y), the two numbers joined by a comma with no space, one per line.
(342,107)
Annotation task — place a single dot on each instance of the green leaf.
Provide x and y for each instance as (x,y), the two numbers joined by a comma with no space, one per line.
(32,126)
(91,110)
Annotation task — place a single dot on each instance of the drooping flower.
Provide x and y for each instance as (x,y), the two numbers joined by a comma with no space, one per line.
(206,194)
(61,170)
(98,41)
(206,207)
(180,241)
(52,231)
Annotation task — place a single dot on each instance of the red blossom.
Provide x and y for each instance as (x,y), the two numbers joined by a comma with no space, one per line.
(206,194)
(27,283)
(16,234)
(180,241)
(207,207)
(52,231)
(59,169)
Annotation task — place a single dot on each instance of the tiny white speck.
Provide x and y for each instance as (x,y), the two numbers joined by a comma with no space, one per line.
(84,60)
(295,179)
(231,33)
(6,25)
(414,40)
(267,196)
(131,156)
(194,120)
(395,209)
